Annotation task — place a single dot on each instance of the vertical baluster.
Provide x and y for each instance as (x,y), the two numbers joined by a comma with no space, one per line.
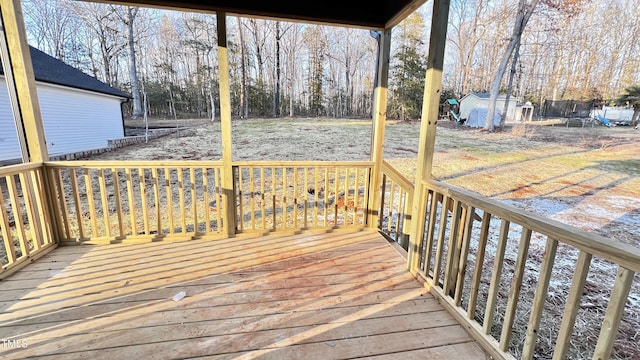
(514,291)
(305,190)
(452,249)
(346,196)
(77,203)
(91,202)
(572,305)
(207,207)
(336,196)
(392,190)
(156,199)
(27,197)
(41,213)
(430,232)
(274,197)
(262,199)
(613,316)
(116,185)
(181,197)
(7,238)
(356,199)
(194,198)
(252,190)
(105,204)
(132,205)
(284,198)
(538,299)
(295,197)
(218,200)
(495,277)
(465,238)
(440,244)
(143,201)
(64,210)
(17,215)
(169,193)
(477,272)
(399,214)
(383,190)
(406,219)
(326,195)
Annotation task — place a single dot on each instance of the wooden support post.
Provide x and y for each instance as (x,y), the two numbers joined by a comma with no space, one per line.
(430,107)
(228,195)
(29,117)
(379,119)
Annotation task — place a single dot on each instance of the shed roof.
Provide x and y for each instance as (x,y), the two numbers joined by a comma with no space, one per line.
(484,96)
(358,13)
(51,70)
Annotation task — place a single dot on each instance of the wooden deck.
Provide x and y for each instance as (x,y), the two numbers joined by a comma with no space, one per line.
(340,295)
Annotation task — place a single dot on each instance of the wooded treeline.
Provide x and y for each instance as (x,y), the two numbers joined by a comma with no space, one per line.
(294,69)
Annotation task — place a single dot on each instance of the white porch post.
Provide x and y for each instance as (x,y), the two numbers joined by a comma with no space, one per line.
(228,195)
(379,119)
(430,104)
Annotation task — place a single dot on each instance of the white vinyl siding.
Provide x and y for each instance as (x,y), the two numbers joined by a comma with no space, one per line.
(9,146)
(74,120)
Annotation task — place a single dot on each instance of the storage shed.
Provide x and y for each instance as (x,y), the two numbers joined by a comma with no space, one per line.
(79,112)
(481,100)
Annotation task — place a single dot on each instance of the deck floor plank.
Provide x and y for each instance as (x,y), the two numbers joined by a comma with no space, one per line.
(335,295)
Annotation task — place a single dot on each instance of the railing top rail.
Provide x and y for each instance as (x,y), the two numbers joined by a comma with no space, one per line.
(298,163)
(396,176)
(622,254)
(133,163)
(18,168)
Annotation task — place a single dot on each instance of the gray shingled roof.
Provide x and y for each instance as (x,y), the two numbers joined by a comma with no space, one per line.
(51,70)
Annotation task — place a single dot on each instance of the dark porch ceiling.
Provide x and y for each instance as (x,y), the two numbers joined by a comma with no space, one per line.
(359,13)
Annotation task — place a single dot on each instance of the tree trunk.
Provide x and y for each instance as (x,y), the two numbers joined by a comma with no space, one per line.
(524,13)
(133,74)
(512,74)
(276,98)
(244,99)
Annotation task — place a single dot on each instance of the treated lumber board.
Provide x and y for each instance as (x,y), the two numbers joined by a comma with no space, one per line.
(122,292)
(461,351)
(24,80)
(379,122)
(189,256)
(132,164)
(278,281)
(359,347)
(118,293)
(229,319)
(237,335)
(282,344)
(429,117)
(417,301)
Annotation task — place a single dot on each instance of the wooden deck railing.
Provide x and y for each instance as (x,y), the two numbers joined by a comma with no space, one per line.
(301,195)
(477,254)
(395,205)
(111,201)
(474,253)
(25,228)
(135,199)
